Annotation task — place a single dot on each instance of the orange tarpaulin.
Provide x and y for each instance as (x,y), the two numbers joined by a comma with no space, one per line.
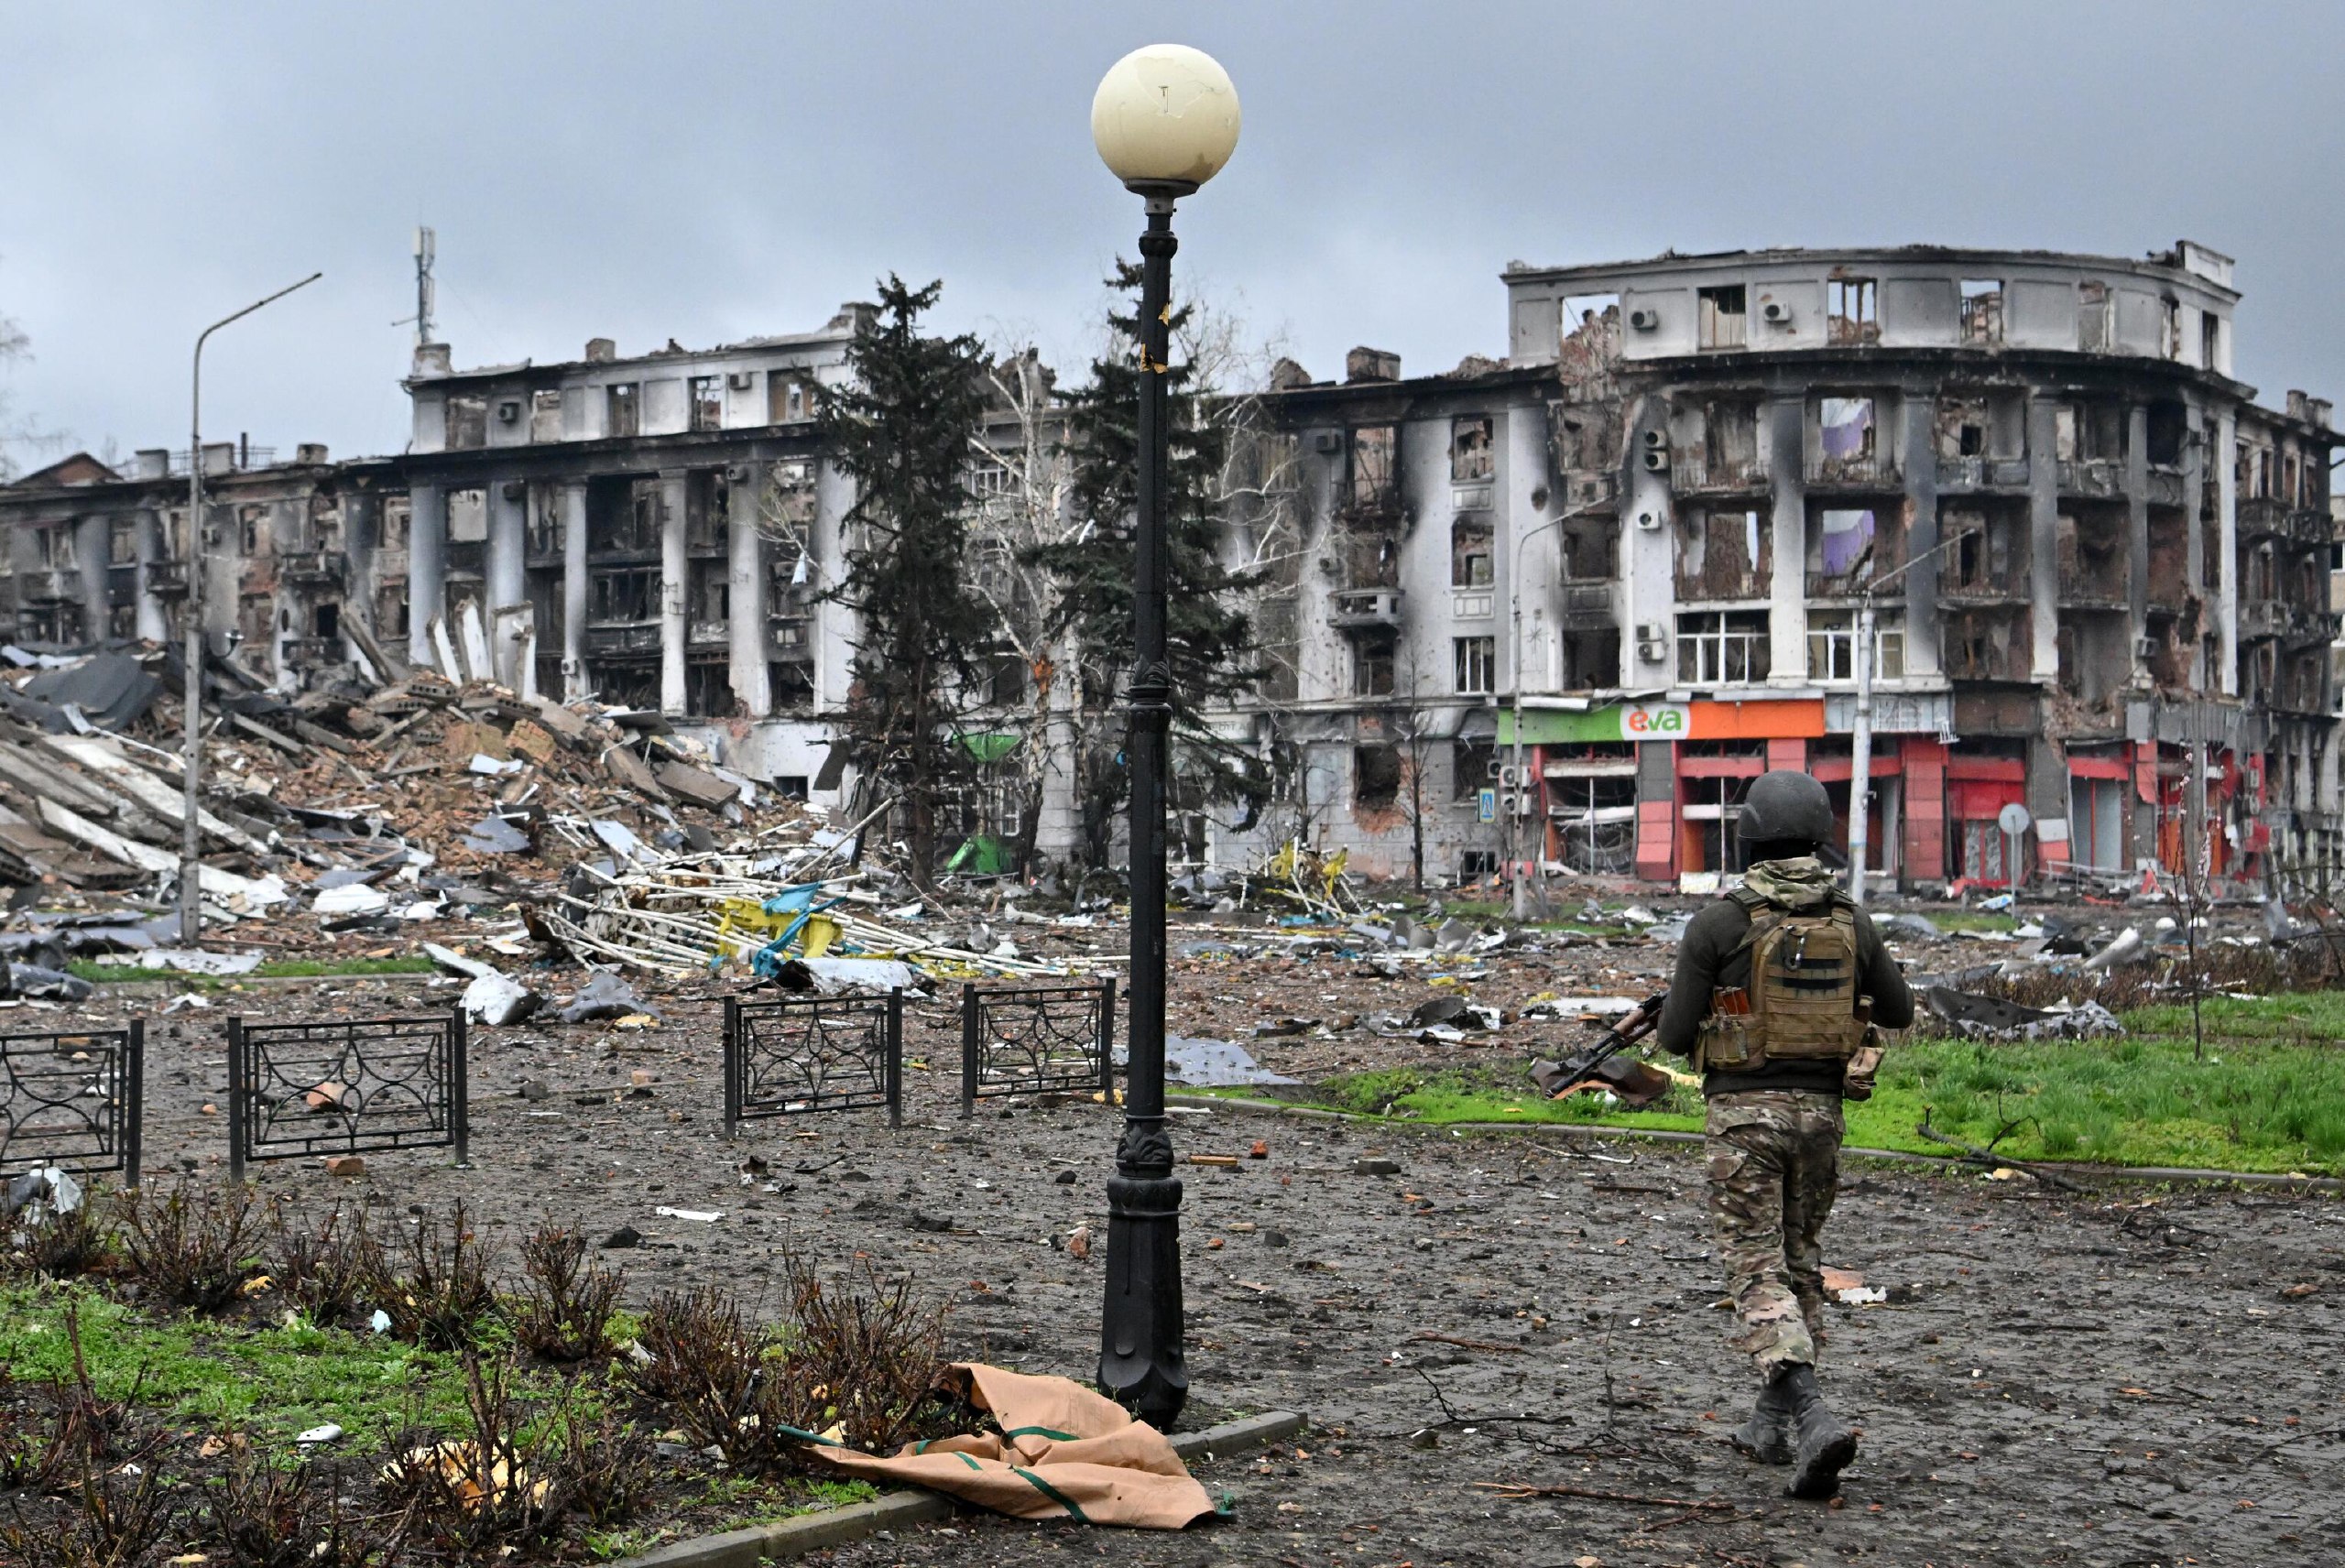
(1063,1450)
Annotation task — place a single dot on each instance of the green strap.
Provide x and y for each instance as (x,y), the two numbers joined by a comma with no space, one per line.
(815,1437)
(967,1460)
(1053,1435)
(1050,1491)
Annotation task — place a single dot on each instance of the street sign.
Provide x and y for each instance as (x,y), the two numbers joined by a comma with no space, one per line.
(2012,818)
(1486,806)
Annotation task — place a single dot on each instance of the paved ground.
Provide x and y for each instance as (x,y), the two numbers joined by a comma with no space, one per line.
(2115,1379)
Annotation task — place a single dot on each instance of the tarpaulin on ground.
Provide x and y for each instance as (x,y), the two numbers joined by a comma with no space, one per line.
(1064,1451)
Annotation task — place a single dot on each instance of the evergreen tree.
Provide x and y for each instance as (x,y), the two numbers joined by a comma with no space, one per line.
(1209,636)
(900,429)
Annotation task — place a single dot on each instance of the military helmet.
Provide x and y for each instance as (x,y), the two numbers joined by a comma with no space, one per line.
(1783,806)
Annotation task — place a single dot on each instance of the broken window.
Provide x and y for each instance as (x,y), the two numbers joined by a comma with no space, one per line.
(1372,665)
(1852,310)
(624,597)
(467,422)
(708,519)
(708,688)
(248,529)
(1723,553)
(2095,653)
(1849,440)
(1832,645)
(2092,542)
(1591,658)
(2210,341)
(1716,646)
(325,621)
(122,541)
(1473,768)
(1986,552)
(545,534)
(1008,680)
(2170,328)
(2169,542)
(706,399)
(467,516)
(1987,645)
(711,598)
(1372,558)
(1983,310)
(1469,551)
(1471,455)
(1848,547)
(1731,455)
(1374,455)
(1376,775)
(1724,321)
(397,516)
(1473,666)
(1585,437)
(53,547)
(1979,426)
(623,410)
(2168,432)
(1590,548)
(545,414)
(1589,332)
(2093,333)
(788,398)
(2088,432)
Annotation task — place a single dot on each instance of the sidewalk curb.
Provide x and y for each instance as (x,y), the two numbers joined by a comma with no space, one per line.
(2329,1184)
(786,1539)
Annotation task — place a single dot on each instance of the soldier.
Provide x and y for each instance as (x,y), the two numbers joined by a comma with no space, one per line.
(1777,986)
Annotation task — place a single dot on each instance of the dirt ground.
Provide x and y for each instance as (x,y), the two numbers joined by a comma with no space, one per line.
(2109,1379)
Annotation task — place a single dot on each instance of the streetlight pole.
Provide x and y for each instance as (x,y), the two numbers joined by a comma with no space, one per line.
(1860,733)
(1165,120)
(1514,678)
(192,671)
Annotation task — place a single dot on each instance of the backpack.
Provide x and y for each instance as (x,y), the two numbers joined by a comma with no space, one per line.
(1801,1003)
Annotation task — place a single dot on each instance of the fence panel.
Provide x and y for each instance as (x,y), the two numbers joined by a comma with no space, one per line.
(75,1099)
(797,1055)
(1030,1039)
(350,1086)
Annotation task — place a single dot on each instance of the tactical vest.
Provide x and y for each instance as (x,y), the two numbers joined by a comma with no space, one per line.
(1802,1002)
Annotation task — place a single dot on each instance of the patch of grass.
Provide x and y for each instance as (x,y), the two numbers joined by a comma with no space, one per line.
(272,969)
(2256,1104)
(1971,919)
(276,1381)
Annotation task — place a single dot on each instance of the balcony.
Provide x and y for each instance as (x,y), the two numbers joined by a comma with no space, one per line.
(1360,609)
(1862,470)
(312,651)
(2166,486)
(1591,487)
(2099,476)
(2306,627)
(702,634)
(2308,526)
(634,638)
(48,586)
(2263,515)
(1585,606)
(2262,618)
(2088,591)
(167,579)
(312,566)
(1692,473)
(791,635)
(1987,473)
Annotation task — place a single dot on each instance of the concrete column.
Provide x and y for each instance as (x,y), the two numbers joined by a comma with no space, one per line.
(675,583)
(571,499)
(1919,587)
(2137,526)
(2225,457)
(1787,587)
(507,579)
(746,582)
(90,538)
(427,570)
(153,623)
(2043,539)
(2195,561)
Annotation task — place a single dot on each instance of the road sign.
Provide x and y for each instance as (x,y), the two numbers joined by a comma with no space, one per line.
(2012,818)
(1486,806)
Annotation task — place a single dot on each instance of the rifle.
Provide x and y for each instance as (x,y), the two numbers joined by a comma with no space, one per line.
(1554,1077)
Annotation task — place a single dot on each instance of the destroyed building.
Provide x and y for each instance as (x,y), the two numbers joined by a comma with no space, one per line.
(2091,552)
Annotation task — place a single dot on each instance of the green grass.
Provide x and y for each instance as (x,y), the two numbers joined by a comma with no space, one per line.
(278,1381)
(274,969)
(2269,1098)
(1970,920)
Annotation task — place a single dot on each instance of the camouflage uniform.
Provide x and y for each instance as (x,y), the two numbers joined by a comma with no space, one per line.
(1774,1168)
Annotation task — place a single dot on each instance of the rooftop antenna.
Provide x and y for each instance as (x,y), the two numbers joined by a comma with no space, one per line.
(426,245)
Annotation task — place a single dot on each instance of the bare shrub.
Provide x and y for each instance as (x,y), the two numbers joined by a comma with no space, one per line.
(863,1353)
(264,1514)
(99,1461)
(436,1288)
(192,1251)
(564,1311)
(323,1266)
(697,1355)
(63,1246)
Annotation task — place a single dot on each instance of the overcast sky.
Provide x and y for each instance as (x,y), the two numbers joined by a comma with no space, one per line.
(714,171)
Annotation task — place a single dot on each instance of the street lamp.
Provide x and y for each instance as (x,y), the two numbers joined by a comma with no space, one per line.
(191,675)
(1165,120)
(1861,731)
(1514,834)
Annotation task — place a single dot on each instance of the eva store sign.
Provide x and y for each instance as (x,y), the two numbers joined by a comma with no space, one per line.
(1655,721)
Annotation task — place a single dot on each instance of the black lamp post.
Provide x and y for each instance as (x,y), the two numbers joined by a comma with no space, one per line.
(1165,120)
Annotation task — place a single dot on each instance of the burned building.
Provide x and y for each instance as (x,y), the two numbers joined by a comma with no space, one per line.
(2092,555)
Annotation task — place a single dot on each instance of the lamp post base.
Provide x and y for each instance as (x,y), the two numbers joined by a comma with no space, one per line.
(1141,1366)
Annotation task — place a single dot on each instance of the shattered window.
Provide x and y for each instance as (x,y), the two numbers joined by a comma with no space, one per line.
(1848,430)
(624,596)
(1473,666)
(1372,666)
(1723,553)
(1470,552)
(789,400)
(2210,341)
(1983,310)
(122,541)
(1473,768)
(1844,545)
(545,414)
(1725,323)
(1470,454)
(624,410)
(467,422)
(1376,775)
(2092,317)
(706,394)
(1374,454)
(1852,310)
(1832,645)
(1716,646)
(55,547)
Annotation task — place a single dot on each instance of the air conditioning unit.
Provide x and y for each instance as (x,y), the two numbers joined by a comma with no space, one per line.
(1649,522)
(1776,313)
(1644,319)
(1656,454)
(738,473)
(740,380)
(508,410)
(1496,771)
(1652,631)
(516,489)
(2146,648)
(1327,441)
(1652,652)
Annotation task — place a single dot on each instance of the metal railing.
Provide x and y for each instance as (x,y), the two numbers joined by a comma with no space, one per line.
(799,1055)
(355,1086)
(1034,1040)
(73,1099)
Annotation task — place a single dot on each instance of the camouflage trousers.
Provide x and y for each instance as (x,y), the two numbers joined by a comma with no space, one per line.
(1774,1158)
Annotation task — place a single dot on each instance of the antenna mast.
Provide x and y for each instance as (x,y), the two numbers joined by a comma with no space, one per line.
(425,248)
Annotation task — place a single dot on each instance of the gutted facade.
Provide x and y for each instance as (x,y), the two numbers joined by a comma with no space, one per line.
(2091,556)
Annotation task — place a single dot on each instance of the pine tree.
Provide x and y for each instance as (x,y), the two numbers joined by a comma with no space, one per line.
(1209,635)
(900,429)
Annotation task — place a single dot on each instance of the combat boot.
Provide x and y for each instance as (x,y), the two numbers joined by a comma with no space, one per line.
(1767,1435)
(1824,1444)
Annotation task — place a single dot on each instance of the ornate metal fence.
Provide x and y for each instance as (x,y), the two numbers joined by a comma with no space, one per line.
(796,1055)
(1027,1039)
(74,1099)
(353,1087)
